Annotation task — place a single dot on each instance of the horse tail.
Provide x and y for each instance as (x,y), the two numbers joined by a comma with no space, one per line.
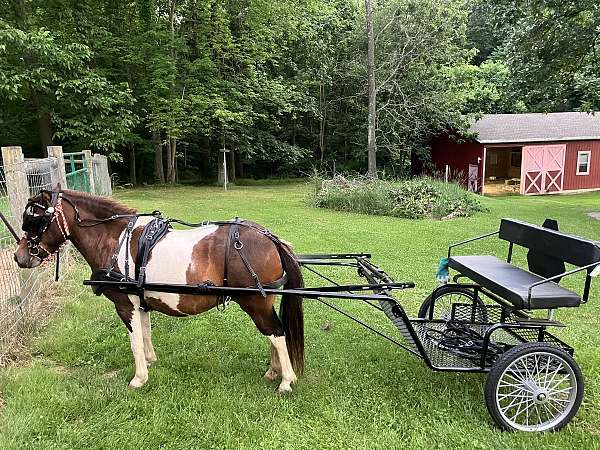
(291,312)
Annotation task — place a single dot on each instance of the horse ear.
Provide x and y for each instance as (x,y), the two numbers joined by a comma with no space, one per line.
(57,187)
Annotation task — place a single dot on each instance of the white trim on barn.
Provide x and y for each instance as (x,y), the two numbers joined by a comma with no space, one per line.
(589,158)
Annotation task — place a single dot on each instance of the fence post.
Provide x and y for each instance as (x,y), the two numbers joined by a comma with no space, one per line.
(102,180)
(87,157)
(56,151)
(17,187)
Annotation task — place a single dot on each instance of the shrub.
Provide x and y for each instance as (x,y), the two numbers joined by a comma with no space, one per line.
(413,199)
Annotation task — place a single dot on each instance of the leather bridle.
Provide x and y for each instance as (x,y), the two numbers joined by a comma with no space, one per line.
(35,225)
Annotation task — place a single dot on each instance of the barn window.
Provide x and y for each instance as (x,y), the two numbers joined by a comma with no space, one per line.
(583,163)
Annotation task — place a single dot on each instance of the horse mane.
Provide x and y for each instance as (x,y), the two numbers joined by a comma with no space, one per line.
(102,206)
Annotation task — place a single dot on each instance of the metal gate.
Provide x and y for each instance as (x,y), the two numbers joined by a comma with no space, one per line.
(542,169)
(77,171)
(473,181)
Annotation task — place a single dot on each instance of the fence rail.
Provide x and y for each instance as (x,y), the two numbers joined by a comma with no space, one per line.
(22,290)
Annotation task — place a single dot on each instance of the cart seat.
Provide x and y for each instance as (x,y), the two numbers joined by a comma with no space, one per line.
(512,283)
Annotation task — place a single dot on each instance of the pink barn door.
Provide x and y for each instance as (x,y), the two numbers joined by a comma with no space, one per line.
(542,169)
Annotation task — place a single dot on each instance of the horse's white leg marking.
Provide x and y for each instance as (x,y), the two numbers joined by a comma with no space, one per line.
(136,336)
(147,335)
(275,369)
(287,372)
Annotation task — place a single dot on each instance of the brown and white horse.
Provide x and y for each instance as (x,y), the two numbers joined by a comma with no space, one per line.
(181,257)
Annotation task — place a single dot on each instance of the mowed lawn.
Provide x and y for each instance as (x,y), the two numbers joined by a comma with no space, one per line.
(359,391)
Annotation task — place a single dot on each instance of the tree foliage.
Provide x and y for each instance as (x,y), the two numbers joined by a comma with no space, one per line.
(163,85)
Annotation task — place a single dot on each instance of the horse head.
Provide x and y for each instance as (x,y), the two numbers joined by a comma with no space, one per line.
(45,226)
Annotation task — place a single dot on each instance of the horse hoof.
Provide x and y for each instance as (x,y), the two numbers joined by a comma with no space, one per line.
(136,383)
(284,390)
(270,375)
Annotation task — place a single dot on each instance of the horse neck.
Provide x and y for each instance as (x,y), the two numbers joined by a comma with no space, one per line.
(97,243)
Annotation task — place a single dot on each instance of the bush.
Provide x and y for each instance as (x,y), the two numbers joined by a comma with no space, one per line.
(413,199)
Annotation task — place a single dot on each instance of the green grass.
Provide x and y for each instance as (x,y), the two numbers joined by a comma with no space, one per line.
(358,391)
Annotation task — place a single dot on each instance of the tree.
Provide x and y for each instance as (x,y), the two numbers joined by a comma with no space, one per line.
(553,54)
(70,99)
(418,42)
(372,138)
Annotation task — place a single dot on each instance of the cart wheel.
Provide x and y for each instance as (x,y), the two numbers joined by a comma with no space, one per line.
(445,296)
(534,387)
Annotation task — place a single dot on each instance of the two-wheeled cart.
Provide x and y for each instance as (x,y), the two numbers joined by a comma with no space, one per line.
(486,324)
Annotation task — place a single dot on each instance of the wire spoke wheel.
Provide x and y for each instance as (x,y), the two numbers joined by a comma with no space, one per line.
(443,299)
(534,387)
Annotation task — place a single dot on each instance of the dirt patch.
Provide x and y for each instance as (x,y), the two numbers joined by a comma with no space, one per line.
(500,188)
(594,215)
(61,370)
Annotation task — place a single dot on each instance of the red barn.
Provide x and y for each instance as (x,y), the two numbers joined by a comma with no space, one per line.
(528,153)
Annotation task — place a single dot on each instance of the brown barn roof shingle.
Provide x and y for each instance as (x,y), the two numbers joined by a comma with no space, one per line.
(536,127)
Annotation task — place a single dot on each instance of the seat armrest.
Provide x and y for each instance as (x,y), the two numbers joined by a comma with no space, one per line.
(451,246)
(595,265)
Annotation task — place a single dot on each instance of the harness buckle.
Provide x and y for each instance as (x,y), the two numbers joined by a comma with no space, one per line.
(223,302)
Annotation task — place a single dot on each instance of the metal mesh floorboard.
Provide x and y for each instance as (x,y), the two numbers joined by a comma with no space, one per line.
(442,358)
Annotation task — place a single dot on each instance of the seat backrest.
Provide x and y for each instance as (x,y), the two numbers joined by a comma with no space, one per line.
(542,264)
(567,247)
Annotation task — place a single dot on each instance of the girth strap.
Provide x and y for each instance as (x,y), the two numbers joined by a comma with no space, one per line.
(153,232)
(234,236)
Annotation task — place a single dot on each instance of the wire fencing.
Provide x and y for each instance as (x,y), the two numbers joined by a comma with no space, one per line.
(24,292)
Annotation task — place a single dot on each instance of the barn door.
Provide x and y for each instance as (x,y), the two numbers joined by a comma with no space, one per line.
(542,170)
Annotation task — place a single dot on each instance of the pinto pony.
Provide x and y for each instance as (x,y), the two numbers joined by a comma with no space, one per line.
(96,227)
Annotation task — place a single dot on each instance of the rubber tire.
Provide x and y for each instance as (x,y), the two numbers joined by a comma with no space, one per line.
(506,359)
(445,289)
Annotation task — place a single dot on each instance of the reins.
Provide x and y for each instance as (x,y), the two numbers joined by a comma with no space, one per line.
(151,234)
(54,212)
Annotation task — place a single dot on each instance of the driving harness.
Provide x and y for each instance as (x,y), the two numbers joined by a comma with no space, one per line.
(155,230)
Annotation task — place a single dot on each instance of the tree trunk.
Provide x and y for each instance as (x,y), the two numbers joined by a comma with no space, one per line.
(238,165)
(159,171)
(169,158)
(221,169)
(231,168)
(322,121)
(44,122)
(172,163)
(132,175)
(371,140)
(45,127)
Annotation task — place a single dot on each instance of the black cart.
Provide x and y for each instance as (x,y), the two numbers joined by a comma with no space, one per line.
(485,323)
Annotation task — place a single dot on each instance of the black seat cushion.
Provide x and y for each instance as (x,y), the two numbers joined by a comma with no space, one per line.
(511,282)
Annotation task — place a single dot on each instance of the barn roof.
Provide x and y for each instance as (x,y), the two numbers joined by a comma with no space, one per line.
(536,127)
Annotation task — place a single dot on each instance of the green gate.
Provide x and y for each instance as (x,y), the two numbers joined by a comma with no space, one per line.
(77,171)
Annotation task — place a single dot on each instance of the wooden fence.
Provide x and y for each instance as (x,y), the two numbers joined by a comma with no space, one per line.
(20,178)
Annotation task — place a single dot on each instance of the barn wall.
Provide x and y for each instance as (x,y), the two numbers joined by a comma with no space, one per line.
(446,151)
(571,179)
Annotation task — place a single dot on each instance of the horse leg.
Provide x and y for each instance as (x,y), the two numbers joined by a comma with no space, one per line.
(147,336)
(265,318)
(128,309)
(287,372)
(275,369)
(136,337)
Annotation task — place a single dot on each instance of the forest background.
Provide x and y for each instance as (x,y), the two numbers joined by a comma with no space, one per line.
(161,86)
